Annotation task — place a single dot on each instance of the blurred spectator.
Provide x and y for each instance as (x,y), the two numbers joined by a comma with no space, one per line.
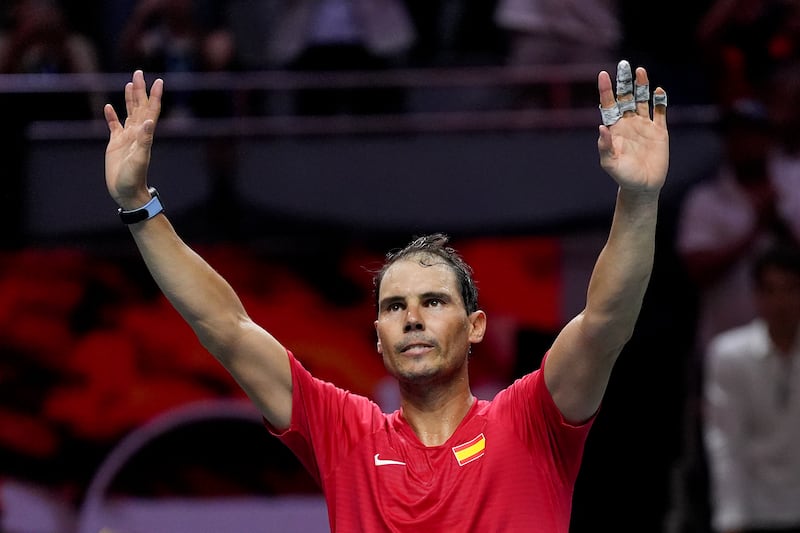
(751,390)
(476,38)
(560,32)
(783,94)
(743,42)
(726,220)
(329,35)
(455,32)
(40,41)
(36,39)
(430,25)
(182,37)
(169,36)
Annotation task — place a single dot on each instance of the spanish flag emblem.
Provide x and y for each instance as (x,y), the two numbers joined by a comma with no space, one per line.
(469,451)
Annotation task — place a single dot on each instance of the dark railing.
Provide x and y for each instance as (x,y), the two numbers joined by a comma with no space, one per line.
(420,118)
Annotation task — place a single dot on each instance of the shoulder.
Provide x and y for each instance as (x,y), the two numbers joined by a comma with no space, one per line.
(527,401)
(311,388)
(717,189)
(528,385)
(741,344)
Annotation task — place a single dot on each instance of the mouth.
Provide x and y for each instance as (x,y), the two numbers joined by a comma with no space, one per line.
(416,347)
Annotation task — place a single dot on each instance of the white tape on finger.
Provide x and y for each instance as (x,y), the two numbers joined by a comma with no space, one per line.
(610,115)
(624,78)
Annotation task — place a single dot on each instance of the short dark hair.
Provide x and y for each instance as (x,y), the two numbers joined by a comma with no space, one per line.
(434,246)
(784,256)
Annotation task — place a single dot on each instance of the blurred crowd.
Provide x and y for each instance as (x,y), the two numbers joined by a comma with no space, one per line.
(160,36)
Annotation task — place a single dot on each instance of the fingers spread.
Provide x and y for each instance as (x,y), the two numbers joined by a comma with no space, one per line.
(138,105)
(631,97)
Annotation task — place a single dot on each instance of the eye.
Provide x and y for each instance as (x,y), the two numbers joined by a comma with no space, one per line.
(394,307)
(435,302)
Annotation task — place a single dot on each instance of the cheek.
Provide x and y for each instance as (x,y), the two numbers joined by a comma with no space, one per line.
(383,339)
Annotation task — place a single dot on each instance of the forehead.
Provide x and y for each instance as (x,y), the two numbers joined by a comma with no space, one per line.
(417,275)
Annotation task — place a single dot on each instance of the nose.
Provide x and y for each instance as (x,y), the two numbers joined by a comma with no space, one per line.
(413,321)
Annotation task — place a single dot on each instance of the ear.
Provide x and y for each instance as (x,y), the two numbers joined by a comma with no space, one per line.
(477,326)
(380,348)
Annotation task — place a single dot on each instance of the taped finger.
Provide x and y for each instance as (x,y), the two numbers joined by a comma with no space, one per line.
(610,115)
(626,105)
(642,93)
(624,78)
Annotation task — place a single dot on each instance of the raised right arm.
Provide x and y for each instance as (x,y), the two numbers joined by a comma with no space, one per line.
(204,299)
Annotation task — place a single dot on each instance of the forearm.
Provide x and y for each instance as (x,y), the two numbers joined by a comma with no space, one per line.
(622,272)
(202,297)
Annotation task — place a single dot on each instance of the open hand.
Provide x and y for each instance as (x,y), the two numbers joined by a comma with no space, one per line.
(635,149)
(128,150)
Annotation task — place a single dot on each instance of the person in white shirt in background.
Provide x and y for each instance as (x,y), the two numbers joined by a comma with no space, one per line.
(751,418)
(729,218)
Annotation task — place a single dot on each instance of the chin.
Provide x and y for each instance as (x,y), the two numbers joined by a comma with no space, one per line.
(420,376)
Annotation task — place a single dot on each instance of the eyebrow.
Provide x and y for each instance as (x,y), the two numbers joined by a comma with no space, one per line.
(389,300)
(438,295)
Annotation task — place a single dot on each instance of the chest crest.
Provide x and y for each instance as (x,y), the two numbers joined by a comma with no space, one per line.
(470,450)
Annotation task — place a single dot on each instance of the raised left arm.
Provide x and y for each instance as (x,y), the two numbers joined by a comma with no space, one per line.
(634,150)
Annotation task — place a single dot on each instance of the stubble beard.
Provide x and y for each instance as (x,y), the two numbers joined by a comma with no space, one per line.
(425,374)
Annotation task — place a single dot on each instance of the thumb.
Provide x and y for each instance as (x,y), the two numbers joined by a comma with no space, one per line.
(604,142)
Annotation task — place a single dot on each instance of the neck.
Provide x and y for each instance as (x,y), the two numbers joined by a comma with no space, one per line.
(434,414)
(783,339)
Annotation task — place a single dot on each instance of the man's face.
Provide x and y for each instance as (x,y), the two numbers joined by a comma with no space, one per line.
(778,299)
(424,332)
(748,152)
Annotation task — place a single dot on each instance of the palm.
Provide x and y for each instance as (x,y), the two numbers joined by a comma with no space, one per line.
(639,154)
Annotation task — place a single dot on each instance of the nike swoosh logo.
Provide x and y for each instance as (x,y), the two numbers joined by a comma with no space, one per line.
(384,462)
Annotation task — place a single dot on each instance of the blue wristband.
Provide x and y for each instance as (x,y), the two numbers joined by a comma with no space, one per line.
(146,212)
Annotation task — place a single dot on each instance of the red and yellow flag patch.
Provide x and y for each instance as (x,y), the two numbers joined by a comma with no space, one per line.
(469,451)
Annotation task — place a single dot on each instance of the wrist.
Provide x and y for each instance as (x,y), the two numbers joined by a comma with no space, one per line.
(137,200)
(147,209)
(639,195)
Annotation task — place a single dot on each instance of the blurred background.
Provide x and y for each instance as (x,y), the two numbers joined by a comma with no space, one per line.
(295,148)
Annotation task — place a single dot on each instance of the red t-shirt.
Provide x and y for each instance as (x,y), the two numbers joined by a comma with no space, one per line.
(510,466)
